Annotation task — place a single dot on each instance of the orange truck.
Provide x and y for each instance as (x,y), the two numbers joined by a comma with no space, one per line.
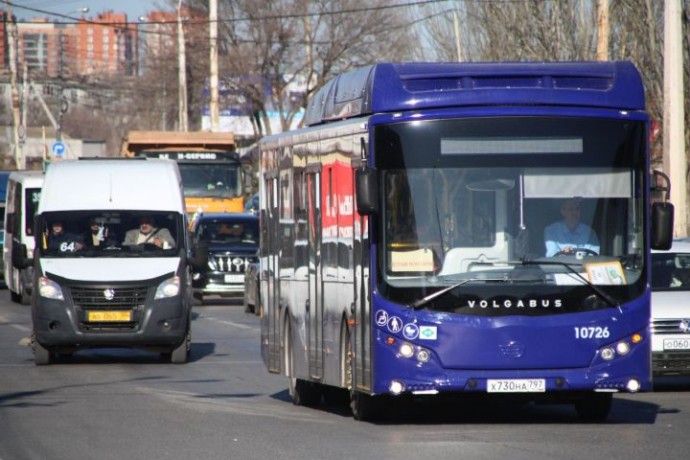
(213,178)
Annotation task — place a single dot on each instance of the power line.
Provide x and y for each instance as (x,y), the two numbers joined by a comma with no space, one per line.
(270,17)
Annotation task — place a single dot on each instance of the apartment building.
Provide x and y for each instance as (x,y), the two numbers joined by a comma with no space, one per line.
(105,44)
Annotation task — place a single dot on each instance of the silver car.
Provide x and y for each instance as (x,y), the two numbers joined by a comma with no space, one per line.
(670,323)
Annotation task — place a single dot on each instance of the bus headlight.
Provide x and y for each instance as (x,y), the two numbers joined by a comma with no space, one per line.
(49,289)
(423,356)
(622,348)
(633,385)
(396,387)
(168,288)
(406,350)
(607,354)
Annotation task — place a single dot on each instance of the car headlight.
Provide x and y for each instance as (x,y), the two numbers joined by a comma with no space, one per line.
(168,288)
(49,289)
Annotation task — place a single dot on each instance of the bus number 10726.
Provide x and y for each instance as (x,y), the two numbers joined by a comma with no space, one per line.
(592,332)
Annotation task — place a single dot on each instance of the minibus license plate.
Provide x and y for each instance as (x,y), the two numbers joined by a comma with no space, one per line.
(515,386)
(105,316)
(234,278)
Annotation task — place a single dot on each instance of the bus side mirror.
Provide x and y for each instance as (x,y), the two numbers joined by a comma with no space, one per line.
(662,226)
(662,212)
(366,191)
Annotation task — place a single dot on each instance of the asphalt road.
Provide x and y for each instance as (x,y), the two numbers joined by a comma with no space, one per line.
(124,404)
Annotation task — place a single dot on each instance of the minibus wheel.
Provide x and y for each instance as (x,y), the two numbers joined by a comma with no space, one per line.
(42,356)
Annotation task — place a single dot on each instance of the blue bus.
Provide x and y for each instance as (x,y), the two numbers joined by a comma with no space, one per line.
(403,236)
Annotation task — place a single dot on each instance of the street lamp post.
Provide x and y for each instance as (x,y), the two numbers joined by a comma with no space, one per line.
(182,72)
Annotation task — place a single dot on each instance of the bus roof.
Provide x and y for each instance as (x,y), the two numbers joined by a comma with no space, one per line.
(396,87)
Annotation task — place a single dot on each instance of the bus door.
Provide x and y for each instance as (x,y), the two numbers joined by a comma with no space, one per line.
(271,300)
(314,306)
(361,333)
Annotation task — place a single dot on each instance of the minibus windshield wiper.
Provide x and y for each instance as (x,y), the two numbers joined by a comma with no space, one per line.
(611,301)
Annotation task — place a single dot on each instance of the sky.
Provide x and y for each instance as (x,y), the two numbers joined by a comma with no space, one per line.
(133,8)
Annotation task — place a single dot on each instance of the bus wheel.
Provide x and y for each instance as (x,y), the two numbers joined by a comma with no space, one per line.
(258,309)
(302,392)
(305,393)
(594,407)
(42,355)
(248,308)
(365,407)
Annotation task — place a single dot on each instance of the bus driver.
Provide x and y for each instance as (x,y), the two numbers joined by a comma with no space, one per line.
(568,235)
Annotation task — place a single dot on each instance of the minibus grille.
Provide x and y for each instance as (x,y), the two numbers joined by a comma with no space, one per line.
(108,299)
(113,300)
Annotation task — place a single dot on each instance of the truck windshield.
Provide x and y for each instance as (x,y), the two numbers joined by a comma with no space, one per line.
(210,179)
(480,205)
(110,234)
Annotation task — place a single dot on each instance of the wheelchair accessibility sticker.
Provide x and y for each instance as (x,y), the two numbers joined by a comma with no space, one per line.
(381,318)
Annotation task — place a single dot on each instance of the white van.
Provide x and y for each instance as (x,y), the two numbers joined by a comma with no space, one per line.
(23,193)
(118,273)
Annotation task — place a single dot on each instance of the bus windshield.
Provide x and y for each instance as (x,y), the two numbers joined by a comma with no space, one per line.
(547,202)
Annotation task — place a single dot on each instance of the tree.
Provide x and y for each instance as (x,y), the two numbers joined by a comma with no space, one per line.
(271,48)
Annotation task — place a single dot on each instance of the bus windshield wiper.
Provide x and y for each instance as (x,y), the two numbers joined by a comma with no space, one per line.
(611,301)
(424,300)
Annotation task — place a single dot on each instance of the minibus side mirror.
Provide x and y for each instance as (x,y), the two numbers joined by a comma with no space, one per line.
(19,256)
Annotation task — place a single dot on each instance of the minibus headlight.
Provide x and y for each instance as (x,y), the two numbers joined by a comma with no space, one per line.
(49,289)
(168,288)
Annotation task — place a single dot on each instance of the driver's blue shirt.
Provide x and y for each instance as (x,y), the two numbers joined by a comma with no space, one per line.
(558,237)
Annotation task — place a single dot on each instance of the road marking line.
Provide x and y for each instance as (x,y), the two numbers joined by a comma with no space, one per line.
(228,323)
